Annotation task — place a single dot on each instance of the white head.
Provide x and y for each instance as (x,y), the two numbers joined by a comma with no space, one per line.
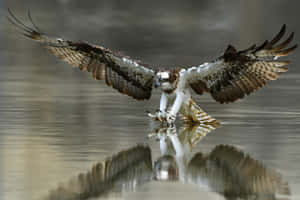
(163,75)
(166,80)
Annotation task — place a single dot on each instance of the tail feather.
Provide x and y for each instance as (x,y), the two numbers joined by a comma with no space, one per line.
(192,113)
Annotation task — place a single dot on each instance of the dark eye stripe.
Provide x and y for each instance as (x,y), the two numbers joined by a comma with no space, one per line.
(164,80)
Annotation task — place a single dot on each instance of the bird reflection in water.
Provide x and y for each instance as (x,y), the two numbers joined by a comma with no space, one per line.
(226,170)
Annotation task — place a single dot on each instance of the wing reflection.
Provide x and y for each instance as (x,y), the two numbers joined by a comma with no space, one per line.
(233,173)
(225,170)
(122,172)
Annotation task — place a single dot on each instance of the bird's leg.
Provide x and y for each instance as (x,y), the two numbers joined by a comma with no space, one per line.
(163,102)
(171,115)
(161,113)
(163,107)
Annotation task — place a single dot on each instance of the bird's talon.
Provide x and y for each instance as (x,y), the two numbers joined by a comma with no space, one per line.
(158,115)
(170,118)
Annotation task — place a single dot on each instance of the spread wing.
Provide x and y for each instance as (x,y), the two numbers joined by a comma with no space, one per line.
(239,73)
(128,76)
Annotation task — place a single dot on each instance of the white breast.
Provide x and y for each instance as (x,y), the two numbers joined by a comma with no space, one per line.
(181,85)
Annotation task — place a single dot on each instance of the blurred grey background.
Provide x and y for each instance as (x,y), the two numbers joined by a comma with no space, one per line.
(171,33)
(56,121)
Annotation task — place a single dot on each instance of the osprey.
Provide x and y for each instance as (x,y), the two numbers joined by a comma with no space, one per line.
(231,76)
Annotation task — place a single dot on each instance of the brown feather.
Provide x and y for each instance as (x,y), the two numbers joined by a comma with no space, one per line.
(239,73)
(278,36)
(99,61)
(284,43)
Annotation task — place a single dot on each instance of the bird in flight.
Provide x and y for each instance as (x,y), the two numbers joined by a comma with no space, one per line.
(228,78)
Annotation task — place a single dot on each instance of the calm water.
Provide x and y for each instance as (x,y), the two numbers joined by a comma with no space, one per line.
(56,122)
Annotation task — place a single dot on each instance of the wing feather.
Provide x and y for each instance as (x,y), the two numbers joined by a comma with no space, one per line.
(239,73)
(126,75)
